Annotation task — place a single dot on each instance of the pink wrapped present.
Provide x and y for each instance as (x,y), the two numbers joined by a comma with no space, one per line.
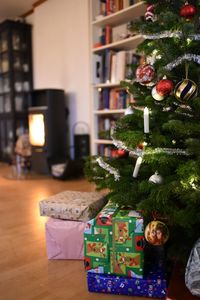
(64,239)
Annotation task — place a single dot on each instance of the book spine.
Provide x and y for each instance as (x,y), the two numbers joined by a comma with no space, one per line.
(106,98)
(121,64)
(97,69)
(102,7)
(108,34)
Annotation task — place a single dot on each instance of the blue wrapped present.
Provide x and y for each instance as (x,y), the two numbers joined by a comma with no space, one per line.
(153,285)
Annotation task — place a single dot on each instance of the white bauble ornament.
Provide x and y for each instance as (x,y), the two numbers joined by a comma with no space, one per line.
(155,95)
(129,111)
(156,178)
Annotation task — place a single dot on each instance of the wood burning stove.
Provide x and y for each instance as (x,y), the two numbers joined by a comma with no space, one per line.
(47,129)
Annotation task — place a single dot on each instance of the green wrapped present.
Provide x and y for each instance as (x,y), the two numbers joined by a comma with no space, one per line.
(114,241)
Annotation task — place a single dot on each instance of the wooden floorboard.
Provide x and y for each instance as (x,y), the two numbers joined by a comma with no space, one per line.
(25,271)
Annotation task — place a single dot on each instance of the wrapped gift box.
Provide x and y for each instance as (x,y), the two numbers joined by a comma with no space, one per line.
(114,241)
(64,239)
(153,285)
(72,205)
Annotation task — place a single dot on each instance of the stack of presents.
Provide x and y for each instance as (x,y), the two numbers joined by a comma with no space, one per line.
(68,214)
(111,244)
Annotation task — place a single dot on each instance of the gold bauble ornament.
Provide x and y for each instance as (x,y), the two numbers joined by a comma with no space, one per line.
(185,90)
(156,233)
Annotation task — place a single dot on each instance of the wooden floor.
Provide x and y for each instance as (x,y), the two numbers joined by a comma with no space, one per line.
(25,271)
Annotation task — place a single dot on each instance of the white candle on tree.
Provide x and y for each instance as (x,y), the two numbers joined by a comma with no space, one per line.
(146,120)
(137,166)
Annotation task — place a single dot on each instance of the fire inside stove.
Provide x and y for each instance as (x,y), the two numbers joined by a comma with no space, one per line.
(36,129)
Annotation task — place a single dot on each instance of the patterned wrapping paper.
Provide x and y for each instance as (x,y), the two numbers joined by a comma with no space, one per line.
(113,242)
(72,205)
(153,285)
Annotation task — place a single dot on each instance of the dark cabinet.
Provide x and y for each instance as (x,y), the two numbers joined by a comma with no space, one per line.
(15,83)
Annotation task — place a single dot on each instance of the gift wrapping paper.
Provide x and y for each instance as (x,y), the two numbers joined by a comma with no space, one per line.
(72,205)
(114,242)
(64,239)
(153,285)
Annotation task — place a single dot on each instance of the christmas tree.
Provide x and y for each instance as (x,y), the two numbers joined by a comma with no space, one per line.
(157,170)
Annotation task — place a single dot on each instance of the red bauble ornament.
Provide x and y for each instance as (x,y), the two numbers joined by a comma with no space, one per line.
(145,74)
(164,87)
(121,152)
(188,11)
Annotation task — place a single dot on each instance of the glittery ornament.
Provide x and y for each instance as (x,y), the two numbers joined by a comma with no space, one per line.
(149,15)
(156,178)
(155,94)
(185,90)
(156,233)
(164,87)
(145,74)
(188,11)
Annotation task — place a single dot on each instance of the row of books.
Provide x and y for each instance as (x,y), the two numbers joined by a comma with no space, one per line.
(108,7)
(113,66)
(114,34)
(106,123)
(114,98)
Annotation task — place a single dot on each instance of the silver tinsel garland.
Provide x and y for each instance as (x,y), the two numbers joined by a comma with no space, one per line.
(139,152)
(179,60)
(176,34)
(170,34)
(108,168)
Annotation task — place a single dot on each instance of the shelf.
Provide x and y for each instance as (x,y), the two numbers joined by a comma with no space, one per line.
(104,85)
(4,93)
(102,119)
(109,111)
(6,114)
(125,44)
(122,16)
(5,73)
(15,82)
(106,142)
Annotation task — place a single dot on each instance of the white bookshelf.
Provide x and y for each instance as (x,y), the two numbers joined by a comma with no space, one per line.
(103,142)
(97,22)
(125,44)
(109,111)
(120,16)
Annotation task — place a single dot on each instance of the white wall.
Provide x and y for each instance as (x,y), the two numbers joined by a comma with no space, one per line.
(61,53)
